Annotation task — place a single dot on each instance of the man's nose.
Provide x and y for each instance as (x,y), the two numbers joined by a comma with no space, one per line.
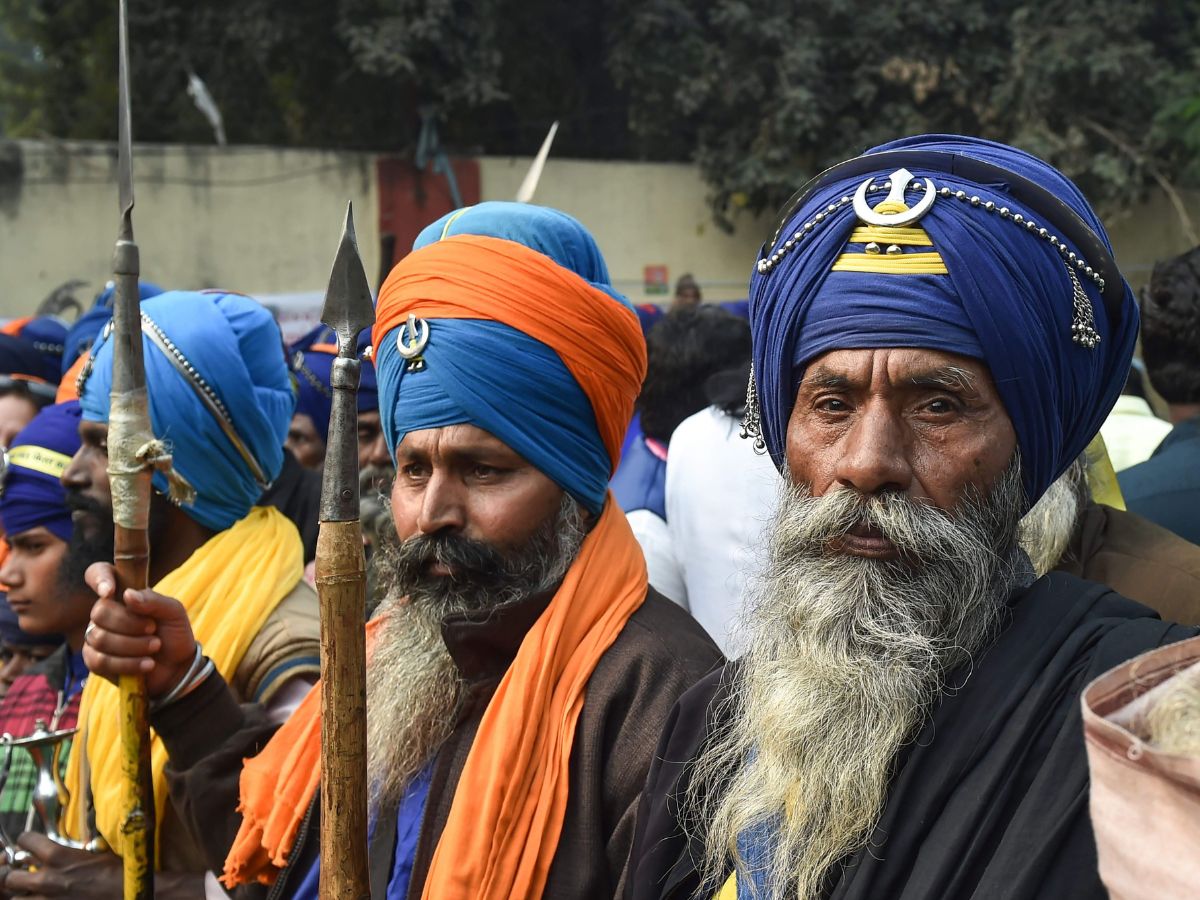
(74,476)
(10,575)
(442,505)
(874,457)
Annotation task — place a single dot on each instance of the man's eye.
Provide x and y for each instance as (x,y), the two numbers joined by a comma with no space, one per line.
(413,470)
(485,471)
(833,404)
(941,406)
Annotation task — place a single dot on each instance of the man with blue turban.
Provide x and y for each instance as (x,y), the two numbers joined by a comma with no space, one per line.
(220,398)
(939,329)
(312,361)
(297,490)
(520,666)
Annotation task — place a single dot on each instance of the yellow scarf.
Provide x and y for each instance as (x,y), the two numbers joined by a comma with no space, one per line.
(229,587)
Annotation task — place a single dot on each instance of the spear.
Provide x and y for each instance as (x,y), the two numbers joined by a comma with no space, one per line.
(526,191)
(128,433)
(342,589)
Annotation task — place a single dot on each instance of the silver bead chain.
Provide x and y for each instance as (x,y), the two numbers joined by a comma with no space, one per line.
(1083,326)
(193,375)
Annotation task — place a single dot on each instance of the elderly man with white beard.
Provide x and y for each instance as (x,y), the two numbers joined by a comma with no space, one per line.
(939,329)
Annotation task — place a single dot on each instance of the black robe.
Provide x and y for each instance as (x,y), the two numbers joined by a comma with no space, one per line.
(990,801)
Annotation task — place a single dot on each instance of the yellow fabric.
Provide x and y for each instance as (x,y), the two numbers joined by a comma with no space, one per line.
(899,264)
(885,234)
(883,263)
(728,890)
(39,459)
(230,586)
(1101,476)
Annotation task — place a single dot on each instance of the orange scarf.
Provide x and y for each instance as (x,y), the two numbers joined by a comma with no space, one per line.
(503,829)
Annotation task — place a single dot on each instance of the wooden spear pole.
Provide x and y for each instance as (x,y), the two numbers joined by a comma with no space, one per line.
(342,589)
(128,431)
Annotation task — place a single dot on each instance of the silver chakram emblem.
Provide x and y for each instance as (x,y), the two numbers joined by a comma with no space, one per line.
(901,179)
(411,341)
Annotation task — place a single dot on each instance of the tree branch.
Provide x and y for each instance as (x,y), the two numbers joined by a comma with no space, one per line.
(1185,220)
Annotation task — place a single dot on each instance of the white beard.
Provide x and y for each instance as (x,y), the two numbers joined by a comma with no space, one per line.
(1047,529)
(846,658)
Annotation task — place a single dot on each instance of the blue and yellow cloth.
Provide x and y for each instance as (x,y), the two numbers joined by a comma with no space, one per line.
(1005,299)
(33,494)
(236,347)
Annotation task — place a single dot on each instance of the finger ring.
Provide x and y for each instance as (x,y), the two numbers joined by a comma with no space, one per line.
(87,632)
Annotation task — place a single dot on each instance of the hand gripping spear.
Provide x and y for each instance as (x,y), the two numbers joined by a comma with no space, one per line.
(342,589)
(129,442)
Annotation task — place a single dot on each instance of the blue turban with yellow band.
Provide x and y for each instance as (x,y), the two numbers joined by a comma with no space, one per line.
(962,279)
(527,339)
(33,493)
(234,345)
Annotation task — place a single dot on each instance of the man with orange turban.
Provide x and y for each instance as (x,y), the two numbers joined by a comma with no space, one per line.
(520,667)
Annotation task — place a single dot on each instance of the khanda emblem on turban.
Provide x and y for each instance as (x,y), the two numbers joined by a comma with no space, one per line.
(894,212)
(411,341)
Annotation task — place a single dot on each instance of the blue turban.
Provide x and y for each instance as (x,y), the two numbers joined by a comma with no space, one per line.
(312,361)
(1006,300)
(528,340)
(46,335)
(84,330)
(19,360)
(235,346)
(33,494)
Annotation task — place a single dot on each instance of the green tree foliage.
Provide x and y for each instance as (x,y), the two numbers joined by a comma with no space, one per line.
(768,93)
(327,73)
(760,93)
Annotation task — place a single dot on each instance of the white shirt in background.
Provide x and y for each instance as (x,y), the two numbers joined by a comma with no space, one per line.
(720,497)
(1132,432)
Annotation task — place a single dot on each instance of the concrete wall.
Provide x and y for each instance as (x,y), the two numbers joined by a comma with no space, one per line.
(641,214)
(266,221)
(1151,231)
(254,219)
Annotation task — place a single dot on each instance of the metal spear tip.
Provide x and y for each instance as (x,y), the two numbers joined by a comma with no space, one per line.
(124,127)
(348,306)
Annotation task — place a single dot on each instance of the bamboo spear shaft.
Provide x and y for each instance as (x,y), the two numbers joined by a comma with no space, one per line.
(128,430)
(342,589)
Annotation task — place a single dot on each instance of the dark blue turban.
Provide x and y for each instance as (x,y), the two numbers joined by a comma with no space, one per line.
(21,361)
(1006,300)
(235,346)
(312,362)
(46,335)
(33,493)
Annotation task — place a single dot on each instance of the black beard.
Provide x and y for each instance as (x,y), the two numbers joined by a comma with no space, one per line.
(89,544)
(484,577)
(93,537)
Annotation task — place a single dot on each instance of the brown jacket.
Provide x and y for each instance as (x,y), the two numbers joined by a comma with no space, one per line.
(660,653)
(288,646)
(1138,559)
